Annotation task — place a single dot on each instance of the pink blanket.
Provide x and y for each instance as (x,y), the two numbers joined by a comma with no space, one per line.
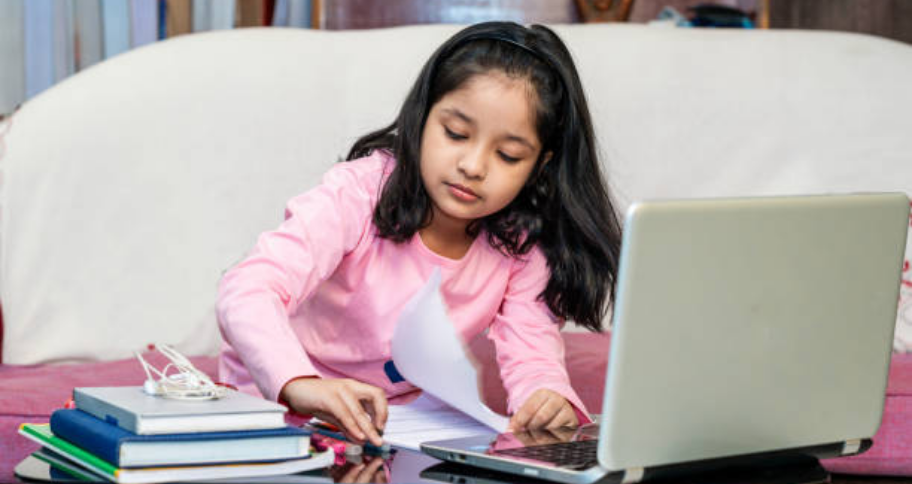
(31,393)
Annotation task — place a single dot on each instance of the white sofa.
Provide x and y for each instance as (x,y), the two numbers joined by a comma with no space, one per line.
(129,188)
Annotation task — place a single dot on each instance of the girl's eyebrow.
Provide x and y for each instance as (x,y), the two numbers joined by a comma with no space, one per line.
(465,117)
(459,114)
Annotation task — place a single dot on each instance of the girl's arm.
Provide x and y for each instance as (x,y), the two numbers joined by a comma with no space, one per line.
(286,265)
(530,349)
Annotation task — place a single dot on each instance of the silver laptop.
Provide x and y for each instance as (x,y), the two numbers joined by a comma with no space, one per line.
(752,328)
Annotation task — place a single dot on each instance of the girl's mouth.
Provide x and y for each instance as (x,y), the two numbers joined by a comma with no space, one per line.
(462,192)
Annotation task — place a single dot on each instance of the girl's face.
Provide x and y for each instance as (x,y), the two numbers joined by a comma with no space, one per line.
(479,147)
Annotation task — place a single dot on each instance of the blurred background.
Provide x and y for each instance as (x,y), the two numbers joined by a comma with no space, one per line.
(43,42)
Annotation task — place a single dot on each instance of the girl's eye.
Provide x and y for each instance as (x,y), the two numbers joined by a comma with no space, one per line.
(454,135)
(508,158)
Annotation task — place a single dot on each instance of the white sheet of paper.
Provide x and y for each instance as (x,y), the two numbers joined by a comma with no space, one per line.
(427,419)
(429,354)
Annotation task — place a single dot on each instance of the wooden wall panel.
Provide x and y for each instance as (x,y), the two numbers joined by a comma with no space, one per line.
(365,14)
(887,18)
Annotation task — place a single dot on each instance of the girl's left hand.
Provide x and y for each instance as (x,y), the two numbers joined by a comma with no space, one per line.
(545,409)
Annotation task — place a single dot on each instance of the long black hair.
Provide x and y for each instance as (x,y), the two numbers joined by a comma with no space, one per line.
(564,208)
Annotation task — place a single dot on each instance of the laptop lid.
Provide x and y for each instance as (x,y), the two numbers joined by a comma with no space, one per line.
(749,325)
(741,328)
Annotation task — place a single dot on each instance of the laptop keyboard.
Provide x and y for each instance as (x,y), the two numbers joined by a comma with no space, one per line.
(570,455)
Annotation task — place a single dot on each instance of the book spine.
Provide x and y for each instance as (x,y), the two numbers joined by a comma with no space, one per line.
(143,20)
(12,58)
(109,413)
(64,47)
(64,465)
(116,26)
(87,31)
(201,12)
(38,46)
(223,14)
(178,19)
(78,428)
(42,434)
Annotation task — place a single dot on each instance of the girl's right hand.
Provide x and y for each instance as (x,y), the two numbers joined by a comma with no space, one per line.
(359,409)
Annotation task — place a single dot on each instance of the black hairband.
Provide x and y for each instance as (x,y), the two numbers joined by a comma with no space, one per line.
(500,37)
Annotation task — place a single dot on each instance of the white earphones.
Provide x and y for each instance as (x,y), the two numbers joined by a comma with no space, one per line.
(187,384)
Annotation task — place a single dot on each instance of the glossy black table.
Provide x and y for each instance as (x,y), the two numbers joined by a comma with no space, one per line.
(411,467)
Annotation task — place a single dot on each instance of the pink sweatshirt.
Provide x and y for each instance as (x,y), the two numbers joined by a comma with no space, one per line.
(321,295)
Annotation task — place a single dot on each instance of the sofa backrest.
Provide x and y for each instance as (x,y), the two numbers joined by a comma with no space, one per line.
(129,188)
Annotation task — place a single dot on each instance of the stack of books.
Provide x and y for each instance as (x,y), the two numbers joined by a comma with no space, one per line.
(124,435)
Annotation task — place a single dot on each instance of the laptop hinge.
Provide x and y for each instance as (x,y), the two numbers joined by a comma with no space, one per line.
(634,474)
(851,446)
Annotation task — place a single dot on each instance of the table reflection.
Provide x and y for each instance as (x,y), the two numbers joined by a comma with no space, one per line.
(406,466)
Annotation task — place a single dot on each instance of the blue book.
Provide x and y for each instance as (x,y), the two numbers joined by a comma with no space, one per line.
(144,21)
(39,46)
(124,449)
(299,13)
(223,15)
(115,16)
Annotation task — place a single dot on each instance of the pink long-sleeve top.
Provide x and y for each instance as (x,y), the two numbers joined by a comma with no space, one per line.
(320,296)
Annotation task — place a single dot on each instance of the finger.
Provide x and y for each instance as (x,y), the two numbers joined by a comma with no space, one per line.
(369,473)
(381,408)
(521,418)
(362,420)
(565,433)
(348,420)
(377,405)
(382,475)
(546,412)
(565,417)
(538,437)
(352,473)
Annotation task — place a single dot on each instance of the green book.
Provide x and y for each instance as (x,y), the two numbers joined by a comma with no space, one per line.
(64,465)
(42,434)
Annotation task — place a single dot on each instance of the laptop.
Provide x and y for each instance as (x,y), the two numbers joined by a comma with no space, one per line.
(744,329)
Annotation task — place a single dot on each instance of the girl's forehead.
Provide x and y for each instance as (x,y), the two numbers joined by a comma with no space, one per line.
(498,77)
(496,102)
(496,87)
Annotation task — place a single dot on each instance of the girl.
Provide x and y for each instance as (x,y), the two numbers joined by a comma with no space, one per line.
(490,173)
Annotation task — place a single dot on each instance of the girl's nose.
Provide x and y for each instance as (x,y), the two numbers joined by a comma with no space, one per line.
(473,164)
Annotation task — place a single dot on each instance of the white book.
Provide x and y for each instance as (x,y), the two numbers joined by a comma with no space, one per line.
(132,409)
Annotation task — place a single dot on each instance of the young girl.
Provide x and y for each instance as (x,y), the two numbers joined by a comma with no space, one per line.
(490,173)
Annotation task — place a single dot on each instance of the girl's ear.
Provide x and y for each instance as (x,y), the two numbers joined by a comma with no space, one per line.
(541,167)
(546,158)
